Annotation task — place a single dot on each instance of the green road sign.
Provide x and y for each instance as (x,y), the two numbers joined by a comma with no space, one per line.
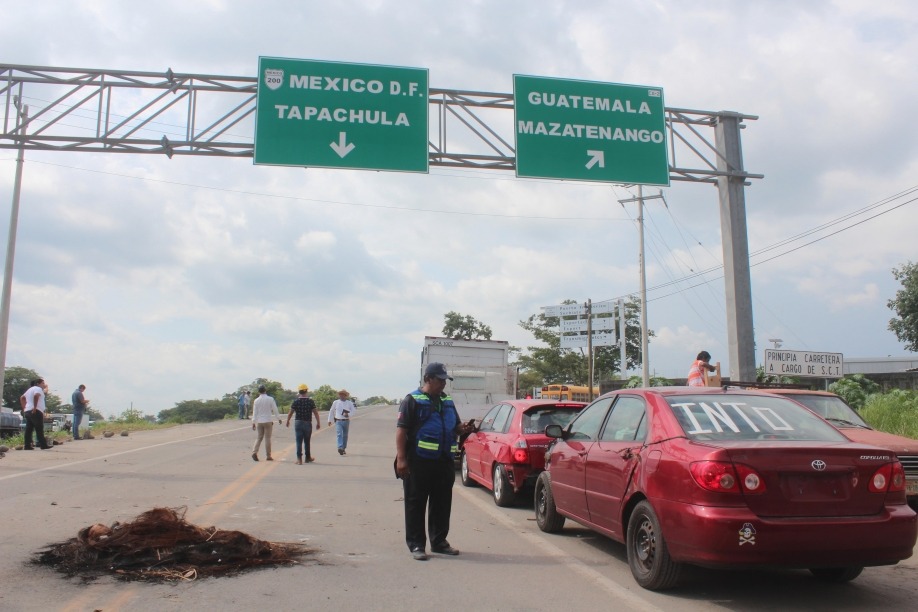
(336,115)
(588,131)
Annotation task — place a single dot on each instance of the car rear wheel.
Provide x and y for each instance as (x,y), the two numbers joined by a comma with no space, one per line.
(503,490)
(547,517)
(648,556)
(464,471)
(836,574)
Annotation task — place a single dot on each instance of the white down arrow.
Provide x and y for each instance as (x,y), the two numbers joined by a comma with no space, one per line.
(342,148)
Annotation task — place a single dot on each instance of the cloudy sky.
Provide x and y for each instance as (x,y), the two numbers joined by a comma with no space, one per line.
(156,280)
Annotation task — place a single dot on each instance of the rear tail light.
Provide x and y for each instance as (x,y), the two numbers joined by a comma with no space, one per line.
(520,451)
(725,477)
(889,478)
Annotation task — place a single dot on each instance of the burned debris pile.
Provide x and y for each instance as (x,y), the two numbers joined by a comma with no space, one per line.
(159,545)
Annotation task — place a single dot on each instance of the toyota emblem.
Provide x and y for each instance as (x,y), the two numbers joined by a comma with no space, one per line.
(818,465)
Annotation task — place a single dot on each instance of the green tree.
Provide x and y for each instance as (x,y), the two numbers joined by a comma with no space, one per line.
(199,411)
(282,397)
(15,383)
(552,364)
(324,396)
(636,382)
(464,327)
(905,305)
(854,389)
(761,377)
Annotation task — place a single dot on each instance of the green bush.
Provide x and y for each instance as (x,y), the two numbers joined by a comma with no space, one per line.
(854,389)
(894,412)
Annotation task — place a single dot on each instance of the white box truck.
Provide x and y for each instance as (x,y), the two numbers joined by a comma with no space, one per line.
(481,371)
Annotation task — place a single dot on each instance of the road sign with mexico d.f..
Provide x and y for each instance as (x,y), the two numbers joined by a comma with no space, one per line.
(590,131)
(338,115)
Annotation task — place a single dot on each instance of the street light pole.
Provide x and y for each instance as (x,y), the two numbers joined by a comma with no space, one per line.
(645,359)
(22,113)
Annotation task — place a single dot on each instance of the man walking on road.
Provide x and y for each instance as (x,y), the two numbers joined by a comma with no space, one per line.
(426,441)
(264,411)
(79,403)
(340,413)
(304,409)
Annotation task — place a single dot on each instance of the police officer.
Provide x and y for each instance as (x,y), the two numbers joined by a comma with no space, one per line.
(426,441)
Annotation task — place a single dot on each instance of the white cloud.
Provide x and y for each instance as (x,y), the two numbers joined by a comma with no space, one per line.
(156,280)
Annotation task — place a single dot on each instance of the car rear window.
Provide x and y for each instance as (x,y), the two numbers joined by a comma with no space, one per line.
(829,407)
(537,419)
(748,417)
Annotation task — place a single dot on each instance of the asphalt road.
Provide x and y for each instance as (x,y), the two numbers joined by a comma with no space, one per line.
(349,511)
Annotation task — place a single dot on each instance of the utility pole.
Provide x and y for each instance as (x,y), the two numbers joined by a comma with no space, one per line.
(623,363)
(589,322)
(645,359)
(22,113)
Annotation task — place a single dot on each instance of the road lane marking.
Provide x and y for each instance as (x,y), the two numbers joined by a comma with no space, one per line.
(118,454)
(624,597)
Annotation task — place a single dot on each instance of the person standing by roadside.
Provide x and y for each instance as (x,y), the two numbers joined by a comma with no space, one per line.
(35,414)
(696,372)
(264,411)
(341,411)
(244,399)
(79,403)
(304,408)
(426,441)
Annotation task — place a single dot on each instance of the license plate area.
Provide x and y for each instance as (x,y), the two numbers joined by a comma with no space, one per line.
(817,487)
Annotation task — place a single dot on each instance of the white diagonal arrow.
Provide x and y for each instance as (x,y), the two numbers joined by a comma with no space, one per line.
(342,148)
(596,157)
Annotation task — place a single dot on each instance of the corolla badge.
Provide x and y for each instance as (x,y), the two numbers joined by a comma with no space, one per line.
(818,465)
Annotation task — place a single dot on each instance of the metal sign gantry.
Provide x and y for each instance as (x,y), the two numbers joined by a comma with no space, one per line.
(170,113)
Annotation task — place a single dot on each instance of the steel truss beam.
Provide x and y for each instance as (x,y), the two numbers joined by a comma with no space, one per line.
(168,113)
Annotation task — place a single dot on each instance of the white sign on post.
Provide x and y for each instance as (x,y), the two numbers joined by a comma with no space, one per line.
(580,325)
(804,363)
(580,340)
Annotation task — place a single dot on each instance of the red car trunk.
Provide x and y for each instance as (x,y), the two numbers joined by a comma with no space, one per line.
(812,481)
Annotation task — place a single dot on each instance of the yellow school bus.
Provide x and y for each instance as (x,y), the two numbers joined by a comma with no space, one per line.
(574,393)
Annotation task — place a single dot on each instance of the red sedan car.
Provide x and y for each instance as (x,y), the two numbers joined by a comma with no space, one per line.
(507,450)
(724,478)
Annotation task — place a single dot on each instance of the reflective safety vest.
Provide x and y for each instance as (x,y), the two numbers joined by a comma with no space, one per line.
(435,436)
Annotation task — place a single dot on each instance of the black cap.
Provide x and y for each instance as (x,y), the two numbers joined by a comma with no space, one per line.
(436,369)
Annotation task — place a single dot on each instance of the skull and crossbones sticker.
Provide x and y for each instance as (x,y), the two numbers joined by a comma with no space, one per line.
(747,534)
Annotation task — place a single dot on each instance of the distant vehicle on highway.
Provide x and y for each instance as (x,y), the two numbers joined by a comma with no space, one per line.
(723,477)
(10,422)
(845,419)
(507,450)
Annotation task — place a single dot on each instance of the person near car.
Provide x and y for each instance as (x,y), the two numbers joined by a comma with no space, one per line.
(697,371)
(34,412)
(264,411)
(426,440)
(79,403)
(340,413)
(245,397)
(304,408)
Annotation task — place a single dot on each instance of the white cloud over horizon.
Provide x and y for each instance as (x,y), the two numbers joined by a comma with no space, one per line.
(155,280)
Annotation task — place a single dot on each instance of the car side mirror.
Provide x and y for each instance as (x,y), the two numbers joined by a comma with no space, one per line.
(554,431)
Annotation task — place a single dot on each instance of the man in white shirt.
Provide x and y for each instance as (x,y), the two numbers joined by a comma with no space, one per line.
(34,413)
(340,413)
(264,411)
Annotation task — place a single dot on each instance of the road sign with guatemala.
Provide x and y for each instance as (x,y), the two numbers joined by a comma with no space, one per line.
(588,131)
(337,115)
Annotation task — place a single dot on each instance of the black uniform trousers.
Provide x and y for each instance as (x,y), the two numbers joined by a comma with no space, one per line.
(35,421)
(430,482)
